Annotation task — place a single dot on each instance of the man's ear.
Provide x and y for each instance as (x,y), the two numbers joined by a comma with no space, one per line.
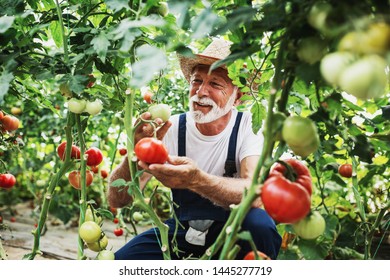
(238,98)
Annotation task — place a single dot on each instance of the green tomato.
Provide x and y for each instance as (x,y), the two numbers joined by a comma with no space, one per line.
(76,106)
(92,216)
(311,226)
(90,232)
(366,78)
(137,216)
(311,49)
(163,9)
(98,245)
(298,131)
(306,150)
(106,255)
(162,111)
(94,107)
(318,14)
(65,90)
(278,119)
(333,64)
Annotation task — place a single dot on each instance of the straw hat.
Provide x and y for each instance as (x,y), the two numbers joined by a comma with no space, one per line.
(217,50)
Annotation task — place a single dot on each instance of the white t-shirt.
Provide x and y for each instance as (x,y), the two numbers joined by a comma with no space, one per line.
(210,152)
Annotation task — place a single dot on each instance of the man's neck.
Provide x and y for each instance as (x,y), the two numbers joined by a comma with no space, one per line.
(214,127)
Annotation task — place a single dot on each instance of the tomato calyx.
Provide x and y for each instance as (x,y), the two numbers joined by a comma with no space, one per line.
(288,172)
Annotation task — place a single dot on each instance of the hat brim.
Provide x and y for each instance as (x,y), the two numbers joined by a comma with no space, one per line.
(187,63)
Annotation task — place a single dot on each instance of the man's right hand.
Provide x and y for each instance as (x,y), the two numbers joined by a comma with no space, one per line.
(147,130)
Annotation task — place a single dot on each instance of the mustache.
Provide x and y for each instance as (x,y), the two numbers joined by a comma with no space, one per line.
(203,101)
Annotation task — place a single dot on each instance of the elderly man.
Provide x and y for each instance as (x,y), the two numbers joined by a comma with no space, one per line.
(213,154)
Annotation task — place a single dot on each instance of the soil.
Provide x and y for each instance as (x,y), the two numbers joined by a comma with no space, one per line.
(58,242)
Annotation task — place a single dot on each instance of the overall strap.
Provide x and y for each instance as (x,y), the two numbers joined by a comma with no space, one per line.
(230,164)
(182,135)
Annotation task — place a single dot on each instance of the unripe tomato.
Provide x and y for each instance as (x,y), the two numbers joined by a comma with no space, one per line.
(311,49)
(251,256)
(162,111)
(98,245)
(311,226)
(366,78)
(137,216)
(95,156)
(7,181)
(163,9)
(91,215)
(106,255)
(118,231)
(75,151)
(318,14)
(16,111)
(90,232)
(345,170)
(74,178)
(10,123)
(151,150)
(333,64)
(76,106)
(94,107)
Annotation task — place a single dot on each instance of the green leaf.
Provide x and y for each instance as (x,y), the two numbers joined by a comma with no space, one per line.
(258,115)
(118,183)
(5,80)
(5,23)
(151,60)
(314,250)
(117,5)
(203,23)
(100,44)
(55,30)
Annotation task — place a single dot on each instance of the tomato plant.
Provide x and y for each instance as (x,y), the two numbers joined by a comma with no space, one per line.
(151,150)
(345,170)
(7,181)
(74,178)
(311,226)
(94,156)
(90,232)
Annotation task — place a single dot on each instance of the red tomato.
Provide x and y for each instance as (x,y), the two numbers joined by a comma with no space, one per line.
(91,80)
(75,151)
(104,173)
(95,156)
(7,181)
(10,123)
(251,256)
(148,97)
(1,115)
(116,220)
(151,150)
(302,173)
(12,219)
(75,179)
(122,151)
(345,170)
(94,169)
(118,231)
(285,201)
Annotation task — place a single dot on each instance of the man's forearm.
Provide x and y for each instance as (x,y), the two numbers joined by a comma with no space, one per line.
(222,191)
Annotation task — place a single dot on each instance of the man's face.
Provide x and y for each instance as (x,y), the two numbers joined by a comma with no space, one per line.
(211,95)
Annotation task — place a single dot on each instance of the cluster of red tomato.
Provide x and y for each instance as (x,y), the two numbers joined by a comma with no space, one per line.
(93,157)
(8,123)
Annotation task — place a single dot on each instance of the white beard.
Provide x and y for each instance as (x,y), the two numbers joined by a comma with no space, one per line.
(216,111)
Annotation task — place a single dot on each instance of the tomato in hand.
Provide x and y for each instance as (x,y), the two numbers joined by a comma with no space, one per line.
(311,226)
(345,170)
(301,173)
(251,256)
(75,179)
(118,231)
(285,201)
(75,151)
(151,150)
(7,181)
(162,111)
(95,156)
(10,123)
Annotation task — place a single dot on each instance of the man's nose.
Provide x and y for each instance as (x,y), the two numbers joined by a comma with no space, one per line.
(202,90)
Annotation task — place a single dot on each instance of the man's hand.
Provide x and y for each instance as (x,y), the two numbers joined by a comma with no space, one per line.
(179,173)
(147,130)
